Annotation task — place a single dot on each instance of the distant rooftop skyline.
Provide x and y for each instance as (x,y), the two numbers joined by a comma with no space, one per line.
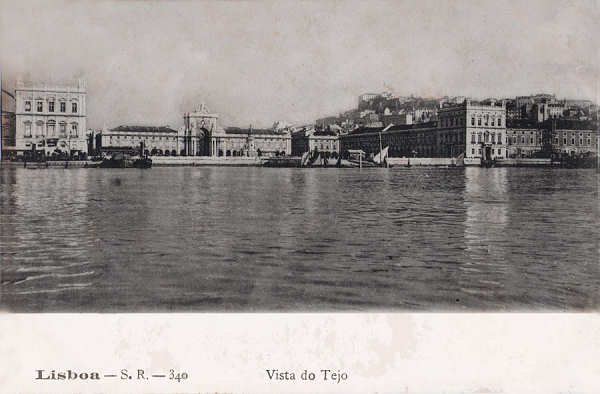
(258,62)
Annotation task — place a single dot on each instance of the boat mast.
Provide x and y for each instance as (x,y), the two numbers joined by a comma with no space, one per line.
(380,151)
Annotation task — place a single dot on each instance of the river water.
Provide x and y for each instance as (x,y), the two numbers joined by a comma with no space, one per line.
(278,239)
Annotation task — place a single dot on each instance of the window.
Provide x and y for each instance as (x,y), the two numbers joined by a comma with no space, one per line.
(499,122)
(487,137)
(479,138)
(565,141)
(63,106)
(74,108)
(581,141)
(40,106)
(473,151)
(63,129)
(531,140)
(572,141)
(39,128)
(478,121)
(493,138)
(499,138)
(522,139)
(472,121)
(51,106)
(27,129)
(556,140)
(492,122)
(51,128)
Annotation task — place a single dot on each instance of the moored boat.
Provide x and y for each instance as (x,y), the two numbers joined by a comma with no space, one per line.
(119,160)
(142,162)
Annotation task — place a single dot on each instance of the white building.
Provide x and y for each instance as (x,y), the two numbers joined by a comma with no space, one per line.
(51,119)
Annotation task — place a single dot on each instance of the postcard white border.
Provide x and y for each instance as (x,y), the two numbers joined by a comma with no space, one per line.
(231,352)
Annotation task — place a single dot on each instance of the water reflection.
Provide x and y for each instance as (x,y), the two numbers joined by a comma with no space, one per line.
(256,239)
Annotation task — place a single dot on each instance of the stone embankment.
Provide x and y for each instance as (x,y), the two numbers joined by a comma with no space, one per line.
(192,161)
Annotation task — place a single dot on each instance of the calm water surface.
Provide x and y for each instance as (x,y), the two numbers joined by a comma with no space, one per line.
(260,239)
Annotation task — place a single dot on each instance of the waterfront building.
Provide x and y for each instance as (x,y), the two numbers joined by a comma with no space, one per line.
(8,135)
(200,126)
(475,130)
(161,140)
(7,123)
(554,136)
(202,136)
(234,141)
(573,137)
(322,141)
(524,138)
(51,118)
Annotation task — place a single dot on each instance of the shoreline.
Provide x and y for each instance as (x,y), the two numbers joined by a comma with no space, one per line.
(260,162)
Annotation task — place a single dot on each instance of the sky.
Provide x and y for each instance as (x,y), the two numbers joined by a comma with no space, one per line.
(148,62)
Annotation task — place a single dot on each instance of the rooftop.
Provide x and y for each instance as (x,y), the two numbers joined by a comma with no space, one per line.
(416,126)
(144,129)
(238,130)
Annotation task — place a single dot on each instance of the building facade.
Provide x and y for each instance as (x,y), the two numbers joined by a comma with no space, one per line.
(484,128)
(156,140)
(524,141)
(249,142)
(202,136)
(475,130)
(574,137)
(199,128)
(8,135)
(321,141)
(555,136)
(51,119)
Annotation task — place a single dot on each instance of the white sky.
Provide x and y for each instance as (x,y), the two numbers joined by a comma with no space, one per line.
(258,62)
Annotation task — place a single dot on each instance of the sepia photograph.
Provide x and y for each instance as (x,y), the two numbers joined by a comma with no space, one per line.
(299,156)
(299,196)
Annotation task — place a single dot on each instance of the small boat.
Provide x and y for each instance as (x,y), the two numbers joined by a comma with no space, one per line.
(115,161)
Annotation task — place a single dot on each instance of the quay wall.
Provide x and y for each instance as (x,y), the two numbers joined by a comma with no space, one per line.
(522,162)
(526,162)
(422,161)
(161,161)
(48,164)
(449,161)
